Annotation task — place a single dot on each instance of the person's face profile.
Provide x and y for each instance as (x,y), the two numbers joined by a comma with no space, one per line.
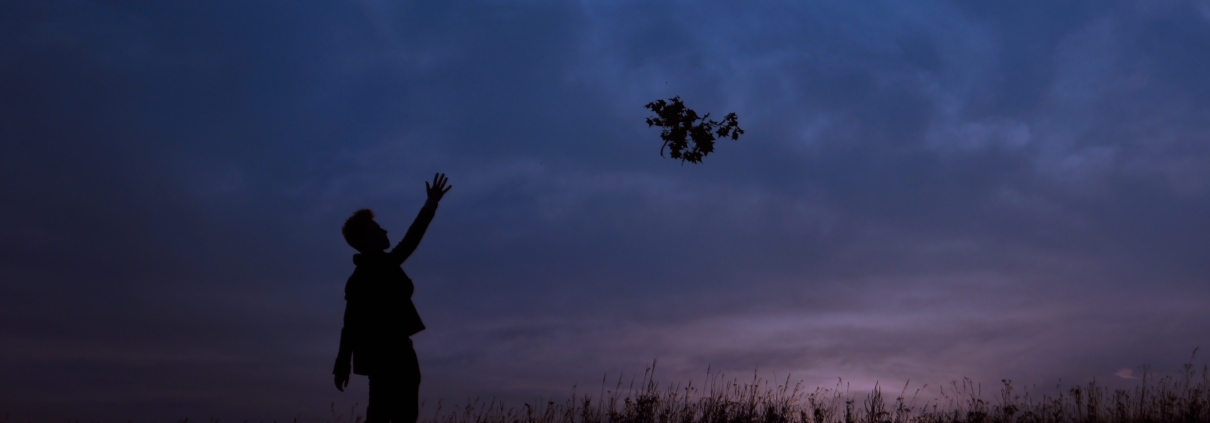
(375,238)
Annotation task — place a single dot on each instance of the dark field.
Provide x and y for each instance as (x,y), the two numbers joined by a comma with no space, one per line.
(1183,398)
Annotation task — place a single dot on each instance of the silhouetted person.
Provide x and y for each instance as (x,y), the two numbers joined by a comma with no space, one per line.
(379,315)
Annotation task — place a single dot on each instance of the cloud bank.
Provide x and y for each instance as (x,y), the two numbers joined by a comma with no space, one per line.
(924,192)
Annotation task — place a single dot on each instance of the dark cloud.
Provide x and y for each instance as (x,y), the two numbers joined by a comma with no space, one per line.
(925,192)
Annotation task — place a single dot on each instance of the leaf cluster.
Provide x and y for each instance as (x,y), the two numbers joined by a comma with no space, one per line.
(686,135)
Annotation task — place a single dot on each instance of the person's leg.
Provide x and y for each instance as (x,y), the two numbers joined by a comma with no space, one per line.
(384,392)
(409,388)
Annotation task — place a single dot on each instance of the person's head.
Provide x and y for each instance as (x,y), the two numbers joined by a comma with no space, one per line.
(363,233)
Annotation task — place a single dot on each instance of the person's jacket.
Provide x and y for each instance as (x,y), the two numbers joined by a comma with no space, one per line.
(379,314)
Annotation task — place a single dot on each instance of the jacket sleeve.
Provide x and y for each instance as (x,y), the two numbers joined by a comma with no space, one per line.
(415,232)
(344,357)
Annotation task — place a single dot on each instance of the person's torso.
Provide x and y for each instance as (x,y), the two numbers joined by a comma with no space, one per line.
(382,291)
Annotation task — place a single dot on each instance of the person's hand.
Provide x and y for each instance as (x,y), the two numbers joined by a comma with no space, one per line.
(438,188)
(342,381)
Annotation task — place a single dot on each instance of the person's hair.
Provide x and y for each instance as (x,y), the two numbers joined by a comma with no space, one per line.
(356,226)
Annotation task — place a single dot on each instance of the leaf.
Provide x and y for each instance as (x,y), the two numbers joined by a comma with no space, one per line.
(684,137)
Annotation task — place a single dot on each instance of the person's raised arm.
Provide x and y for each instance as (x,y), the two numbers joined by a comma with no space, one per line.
(411,240)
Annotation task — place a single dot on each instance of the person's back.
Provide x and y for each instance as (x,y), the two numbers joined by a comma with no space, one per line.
(379,315)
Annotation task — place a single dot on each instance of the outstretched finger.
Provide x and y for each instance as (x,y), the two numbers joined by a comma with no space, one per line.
(447,189)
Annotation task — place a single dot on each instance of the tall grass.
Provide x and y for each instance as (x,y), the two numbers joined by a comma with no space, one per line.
(1184,398)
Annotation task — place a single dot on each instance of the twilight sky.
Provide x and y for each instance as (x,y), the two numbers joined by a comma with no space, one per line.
(927,190)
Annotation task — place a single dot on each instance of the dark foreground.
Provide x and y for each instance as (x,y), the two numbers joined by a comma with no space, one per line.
(1181,399)
(1185,399)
